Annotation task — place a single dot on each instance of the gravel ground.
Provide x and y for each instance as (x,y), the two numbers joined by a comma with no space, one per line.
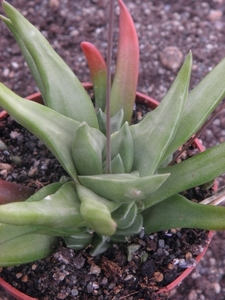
(194,25)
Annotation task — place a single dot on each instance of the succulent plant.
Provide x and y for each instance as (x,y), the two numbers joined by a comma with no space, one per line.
(120,182)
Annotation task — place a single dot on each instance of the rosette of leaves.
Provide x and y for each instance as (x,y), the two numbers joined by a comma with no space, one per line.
(96,207)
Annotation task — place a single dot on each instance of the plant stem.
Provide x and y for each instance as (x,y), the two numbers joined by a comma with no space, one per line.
(108,87)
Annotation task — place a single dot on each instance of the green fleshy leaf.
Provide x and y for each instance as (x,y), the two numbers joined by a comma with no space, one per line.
(88,145)
(123,188)
(201,102)
(131,249)
(53,129)
(58,210)
(45,191)
(79,241)
(122,143)
(65,232)
(101,117)
(192,172)
(26,249)
(100,245)
(96,211)
(116,121)
(178,212)
(60,88)
(10,232)
(125,215)
(155,132)
(117,166)
(119,238)
(134,228)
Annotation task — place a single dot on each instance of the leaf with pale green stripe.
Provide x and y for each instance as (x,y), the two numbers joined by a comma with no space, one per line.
(155,132)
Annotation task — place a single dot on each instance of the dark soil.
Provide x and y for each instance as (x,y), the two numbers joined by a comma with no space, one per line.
(194,25)
(26,160)
(154,261)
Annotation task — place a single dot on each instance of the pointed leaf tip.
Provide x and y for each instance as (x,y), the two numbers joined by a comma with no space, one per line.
(97,66)
(126,76)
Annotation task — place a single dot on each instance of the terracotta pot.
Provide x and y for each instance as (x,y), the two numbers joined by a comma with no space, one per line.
(151,103)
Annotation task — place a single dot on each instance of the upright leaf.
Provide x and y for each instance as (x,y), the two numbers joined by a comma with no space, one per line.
(201,102)
(116,121)
(97,66)
(117,165)
(122,143)
(60,88)
(125,80)
(88,145)
(154,133)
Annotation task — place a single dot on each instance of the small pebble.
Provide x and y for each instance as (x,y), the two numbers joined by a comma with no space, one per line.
(158,276)
(192,295)
(212,261)
(19,275)
(215,15)
(15,65)
(24,278)
(128,277)
(161,243)
(74,292)
(95,270)
(216,287)
(171,58)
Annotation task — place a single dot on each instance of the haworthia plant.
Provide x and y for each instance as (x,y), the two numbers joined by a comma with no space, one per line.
(141,191)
